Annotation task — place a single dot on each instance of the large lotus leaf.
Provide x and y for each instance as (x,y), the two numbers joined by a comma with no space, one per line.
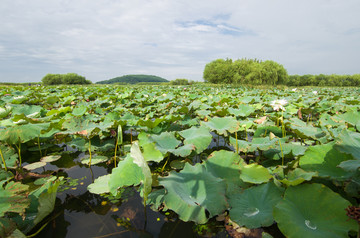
(4,111)
(200,137)
(262,144)
(297,176)
(52,99)
(265,130)
(13,198)
(100,185)
(292,148)
(183,151)
(253,207)
(226,165)
(151,153)
(149,123)
(241,145)
(350,165)
(10,156)
(22,133)
(349,142)
(223,125)
(79,126)
(243,111)
(351,117)
(32,111)
(139,160)
(325,159)
(255,173)
(165,141)
(80,110)
(192,192)
(304,130)
(313,211)
(42,204)
(127,173)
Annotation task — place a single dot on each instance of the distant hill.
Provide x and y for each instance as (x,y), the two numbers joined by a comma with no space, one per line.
(134,78)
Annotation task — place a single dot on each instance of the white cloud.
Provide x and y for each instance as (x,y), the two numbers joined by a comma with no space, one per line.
(174,39)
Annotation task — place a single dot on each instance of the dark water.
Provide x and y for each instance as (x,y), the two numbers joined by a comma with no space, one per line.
(79,213)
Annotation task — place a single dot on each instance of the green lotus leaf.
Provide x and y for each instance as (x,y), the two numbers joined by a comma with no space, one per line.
(243,111)
(52,99)
(297,176)
(32,111)
(13,198)
(97,159)
(226,165)
(139,160)
(42,204)
(264,143)
(200,137)
(19,99)
(352,117)
(304,130)
(313,210)
(349,143)
(350,165)
(192,192)
(183,151)
(149,123)
(255,173)
(253,207)
(50,158)
(10,156)
(127,173)
(223,125)
(79,126)
(151,153)
(34,165)
(241,145)
(5,111)
(325,159)
(80,110)
(100,185)
(165,141)
(22,133)
(265,130)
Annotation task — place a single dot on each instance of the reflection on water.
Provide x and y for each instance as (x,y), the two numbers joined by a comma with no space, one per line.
(79,213)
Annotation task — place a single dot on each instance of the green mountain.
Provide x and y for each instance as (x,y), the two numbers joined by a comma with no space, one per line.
(134,78)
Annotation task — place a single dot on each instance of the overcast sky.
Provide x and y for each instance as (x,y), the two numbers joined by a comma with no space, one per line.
(174,39)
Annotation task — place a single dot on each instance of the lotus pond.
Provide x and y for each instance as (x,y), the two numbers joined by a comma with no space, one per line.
(161,161)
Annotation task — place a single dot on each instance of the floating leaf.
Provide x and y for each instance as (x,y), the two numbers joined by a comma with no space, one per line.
(94,159)
(253,207)
(50,158)
(313,210)
(34,165)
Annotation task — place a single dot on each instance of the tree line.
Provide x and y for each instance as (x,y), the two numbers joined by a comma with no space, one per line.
(245,71)
(69,78)
(256,72)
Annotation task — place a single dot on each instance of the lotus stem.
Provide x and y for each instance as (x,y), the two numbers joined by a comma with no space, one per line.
(282,153)
(116,146)
(131,135)
(90,151)
(3,160)
(19,152)
(237,149)
(162,169)
(39,145)
(246,135)
(283,125)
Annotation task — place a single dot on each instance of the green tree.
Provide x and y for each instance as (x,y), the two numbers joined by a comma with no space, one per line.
(219,71)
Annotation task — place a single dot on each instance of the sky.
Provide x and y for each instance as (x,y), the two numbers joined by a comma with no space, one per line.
(174,39)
